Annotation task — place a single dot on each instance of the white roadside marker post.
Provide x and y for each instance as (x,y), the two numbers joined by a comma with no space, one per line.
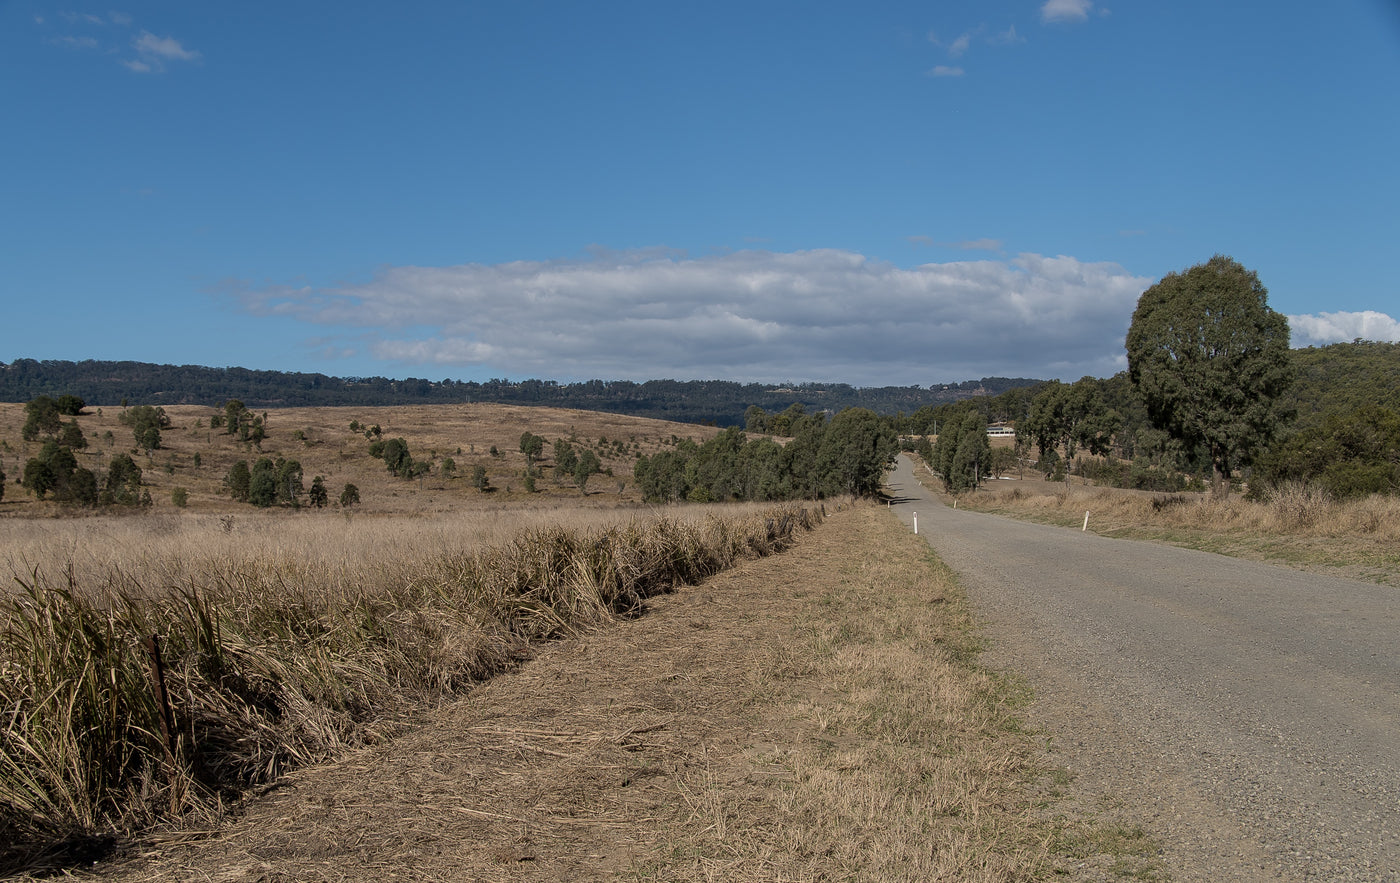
(916,523)
(1086,522)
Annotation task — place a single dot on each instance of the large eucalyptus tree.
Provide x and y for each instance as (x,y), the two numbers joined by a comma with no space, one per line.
(1211,360)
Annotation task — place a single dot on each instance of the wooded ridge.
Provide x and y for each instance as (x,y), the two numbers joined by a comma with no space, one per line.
(717,402)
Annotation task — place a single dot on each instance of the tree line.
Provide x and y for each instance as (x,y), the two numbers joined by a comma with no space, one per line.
(713,402)
(846,454)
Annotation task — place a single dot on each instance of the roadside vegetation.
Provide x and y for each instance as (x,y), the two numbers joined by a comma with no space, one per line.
(1213,397)
(1295,524)
(284,646)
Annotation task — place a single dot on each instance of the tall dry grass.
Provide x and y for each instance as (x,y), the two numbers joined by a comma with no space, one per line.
(1291,510)
(285,640)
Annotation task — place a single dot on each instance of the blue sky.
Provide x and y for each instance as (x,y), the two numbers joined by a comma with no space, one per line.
(875,193)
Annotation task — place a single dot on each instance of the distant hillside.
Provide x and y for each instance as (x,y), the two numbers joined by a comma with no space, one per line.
(719,402)
(1344,376)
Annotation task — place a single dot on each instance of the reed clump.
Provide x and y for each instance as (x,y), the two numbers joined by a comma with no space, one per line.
(269,661)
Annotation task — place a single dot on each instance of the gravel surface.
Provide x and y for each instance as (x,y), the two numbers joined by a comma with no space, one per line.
(1248,715)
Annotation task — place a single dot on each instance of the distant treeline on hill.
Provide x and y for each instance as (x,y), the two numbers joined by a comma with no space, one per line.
(719,402)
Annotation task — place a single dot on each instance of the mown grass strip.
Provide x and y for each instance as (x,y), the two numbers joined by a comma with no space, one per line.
(905,759)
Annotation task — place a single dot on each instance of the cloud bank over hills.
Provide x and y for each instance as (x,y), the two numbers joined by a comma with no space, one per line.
(765,316)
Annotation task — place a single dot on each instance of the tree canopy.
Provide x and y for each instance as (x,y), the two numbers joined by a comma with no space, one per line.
(1211,360)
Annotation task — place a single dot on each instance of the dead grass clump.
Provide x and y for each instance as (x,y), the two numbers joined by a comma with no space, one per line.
(275,662)
(1295,506)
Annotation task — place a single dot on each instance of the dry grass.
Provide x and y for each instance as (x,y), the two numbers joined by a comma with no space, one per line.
(912,759)
(466,433)
(1295,525)
(284,647)
(819,715)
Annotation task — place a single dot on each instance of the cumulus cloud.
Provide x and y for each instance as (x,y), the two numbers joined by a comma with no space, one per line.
(748,315)
(1325,328)
(944,70)
(1065,10)
(959,46)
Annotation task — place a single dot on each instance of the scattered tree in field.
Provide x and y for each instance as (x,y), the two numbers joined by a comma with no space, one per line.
(70,405)
(1211,359)
(262,483)
(238,481)
(55,470)
(397,459)
(289,481)
(146,422)
(317,495)
(479,479)
(565,459)
(180,497)
(1003,461)
(532,446)
(350,496)
(587,465)
(123,486)
(530,483)
(235,415)
(41,417)
(71,436)
(448,467)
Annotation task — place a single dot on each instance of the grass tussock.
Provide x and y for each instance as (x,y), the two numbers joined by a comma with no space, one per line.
(275,652)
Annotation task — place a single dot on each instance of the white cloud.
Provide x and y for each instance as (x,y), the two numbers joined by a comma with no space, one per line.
(748,315)
(959,46)
(944,70)
(1065,10)
(148,45)
(1325,328)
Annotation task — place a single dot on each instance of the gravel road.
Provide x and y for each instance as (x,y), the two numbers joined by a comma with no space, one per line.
(1248,715)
